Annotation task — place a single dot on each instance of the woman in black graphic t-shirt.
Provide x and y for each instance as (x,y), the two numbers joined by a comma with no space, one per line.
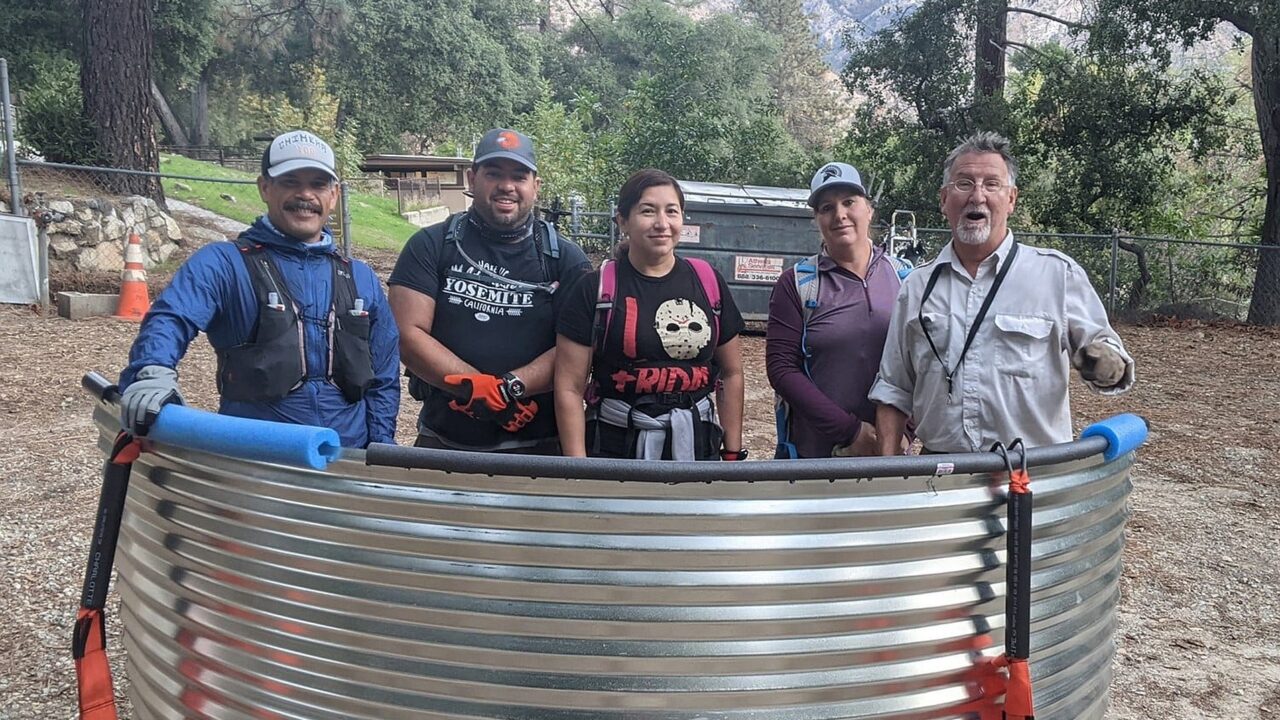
(662,351)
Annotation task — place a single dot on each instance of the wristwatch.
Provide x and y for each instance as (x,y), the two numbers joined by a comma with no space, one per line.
(733,455)
(514,385)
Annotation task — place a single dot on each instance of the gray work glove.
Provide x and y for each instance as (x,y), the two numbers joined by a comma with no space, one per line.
(154,387)
(1100,364)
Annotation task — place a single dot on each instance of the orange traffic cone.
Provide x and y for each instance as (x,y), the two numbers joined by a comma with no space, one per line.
(134,300)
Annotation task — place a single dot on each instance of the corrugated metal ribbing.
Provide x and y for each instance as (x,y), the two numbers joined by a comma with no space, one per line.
(255,591)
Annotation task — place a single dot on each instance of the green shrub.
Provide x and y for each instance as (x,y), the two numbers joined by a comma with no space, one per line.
(53,120)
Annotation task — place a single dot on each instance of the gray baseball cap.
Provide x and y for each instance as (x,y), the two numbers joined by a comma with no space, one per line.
(297,150)
(833,175)
(509,144)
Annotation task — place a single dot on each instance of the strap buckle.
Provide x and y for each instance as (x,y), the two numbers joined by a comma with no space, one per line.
(675,399)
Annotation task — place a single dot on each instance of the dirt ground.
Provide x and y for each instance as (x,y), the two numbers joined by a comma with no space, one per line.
(1199,633)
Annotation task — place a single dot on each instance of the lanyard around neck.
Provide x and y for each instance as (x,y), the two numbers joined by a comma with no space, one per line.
(977,321)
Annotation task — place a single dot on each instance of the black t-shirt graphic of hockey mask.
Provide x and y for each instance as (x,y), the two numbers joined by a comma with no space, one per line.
(662,338)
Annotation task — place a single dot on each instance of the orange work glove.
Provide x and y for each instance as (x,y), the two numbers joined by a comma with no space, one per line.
(487,389)
(518,414)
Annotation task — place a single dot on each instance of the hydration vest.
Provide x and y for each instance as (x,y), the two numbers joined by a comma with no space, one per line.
(273,363)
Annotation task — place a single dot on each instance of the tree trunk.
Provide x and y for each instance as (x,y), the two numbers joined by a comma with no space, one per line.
(1264,306)
(200,110)
(991,18)
(115,78)
(170,121)
(1138,293)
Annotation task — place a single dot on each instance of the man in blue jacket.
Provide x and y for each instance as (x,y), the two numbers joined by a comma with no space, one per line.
(302,334)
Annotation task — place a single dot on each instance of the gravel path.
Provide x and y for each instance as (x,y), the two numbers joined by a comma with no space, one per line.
(1199,633)
(186,212)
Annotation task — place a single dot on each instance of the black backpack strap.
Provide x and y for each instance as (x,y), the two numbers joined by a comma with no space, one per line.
(553,240)
(263,273)
(606,295)
(344,284)
(452,233)
(547,242)
(453,230)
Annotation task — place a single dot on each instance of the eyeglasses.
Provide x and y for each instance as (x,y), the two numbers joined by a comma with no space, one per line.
(990,185)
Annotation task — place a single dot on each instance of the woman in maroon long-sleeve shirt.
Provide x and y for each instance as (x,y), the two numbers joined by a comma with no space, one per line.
(830,413)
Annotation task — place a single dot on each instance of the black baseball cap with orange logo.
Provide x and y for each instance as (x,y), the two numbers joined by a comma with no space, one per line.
(504,143)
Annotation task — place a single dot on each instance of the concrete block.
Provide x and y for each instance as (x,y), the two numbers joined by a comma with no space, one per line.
(78,305)
(427,217)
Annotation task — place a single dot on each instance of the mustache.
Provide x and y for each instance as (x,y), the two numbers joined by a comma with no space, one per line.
(293,205)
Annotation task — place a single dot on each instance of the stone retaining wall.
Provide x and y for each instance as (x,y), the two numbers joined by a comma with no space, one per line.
(89,234)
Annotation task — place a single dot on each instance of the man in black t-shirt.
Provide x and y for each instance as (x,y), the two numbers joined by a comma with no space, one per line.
(474,298)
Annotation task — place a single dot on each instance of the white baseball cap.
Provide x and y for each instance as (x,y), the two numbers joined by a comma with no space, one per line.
(296,150)
(832,175)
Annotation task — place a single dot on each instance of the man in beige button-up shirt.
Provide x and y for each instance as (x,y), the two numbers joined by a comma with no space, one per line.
(1042,318)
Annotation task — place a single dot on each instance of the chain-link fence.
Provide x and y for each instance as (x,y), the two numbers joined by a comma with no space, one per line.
(234,197)
(84,216)
(1139,276)
(44,181)
(1136,276)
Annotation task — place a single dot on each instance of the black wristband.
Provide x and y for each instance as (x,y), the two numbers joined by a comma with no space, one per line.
(733,455)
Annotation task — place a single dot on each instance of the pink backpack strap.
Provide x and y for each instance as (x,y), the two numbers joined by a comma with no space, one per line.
(605,295)
(710,286)
(710,283)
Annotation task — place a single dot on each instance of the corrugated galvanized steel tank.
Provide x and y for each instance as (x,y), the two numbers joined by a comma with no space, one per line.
(260,591)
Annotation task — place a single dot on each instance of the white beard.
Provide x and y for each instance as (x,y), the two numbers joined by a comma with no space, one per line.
(973,234)
(969,234)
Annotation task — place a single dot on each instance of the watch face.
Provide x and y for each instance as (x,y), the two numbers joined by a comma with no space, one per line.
(515,386)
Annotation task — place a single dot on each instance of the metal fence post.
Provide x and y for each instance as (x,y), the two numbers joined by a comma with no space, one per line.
(575,217)
(11,147)
(346,219)
(42,238)
(553,213)
(1115,261)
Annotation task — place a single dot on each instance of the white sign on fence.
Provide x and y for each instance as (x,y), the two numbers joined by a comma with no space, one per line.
(20,280)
